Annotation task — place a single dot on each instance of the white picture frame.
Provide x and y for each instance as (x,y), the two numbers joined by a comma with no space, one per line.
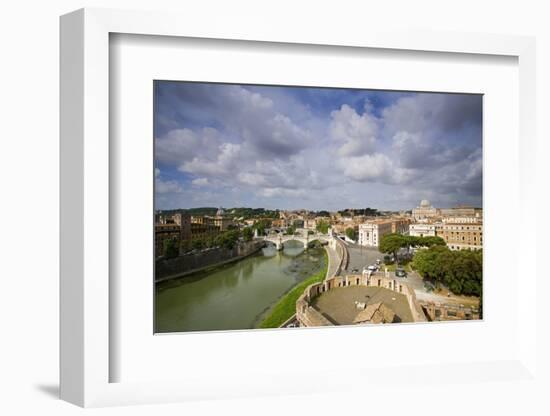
(86,355)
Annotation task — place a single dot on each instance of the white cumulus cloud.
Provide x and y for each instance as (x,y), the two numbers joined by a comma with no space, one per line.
(356,134)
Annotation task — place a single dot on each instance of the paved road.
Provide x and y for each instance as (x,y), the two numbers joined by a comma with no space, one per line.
(360,256)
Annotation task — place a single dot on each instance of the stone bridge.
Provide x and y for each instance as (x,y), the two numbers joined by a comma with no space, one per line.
(302,236)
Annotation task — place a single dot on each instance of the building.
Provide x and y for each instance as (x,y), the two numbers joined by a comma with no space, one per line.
(279,223)
(164,233)
(220,221)
(298,223)
(335,302)
(371,232)
(202,219)
(425,211)
(175,227)
(310,223)
(422,230)
(461,236)
(462,220)
(204,230)
(376,313)
(184,221)
(400,225)
(462,211)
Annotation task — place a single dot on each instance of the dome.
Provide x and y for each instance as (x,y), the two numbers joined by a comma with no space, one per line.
(220,212)
(425,203)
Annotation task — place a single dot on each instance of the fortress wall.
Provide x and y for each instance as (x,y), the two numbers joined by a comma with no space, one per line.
(192,262)
(307,315)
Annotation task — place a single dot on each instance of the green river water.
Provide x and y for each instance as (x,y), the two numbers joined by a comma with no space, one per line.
(234,296)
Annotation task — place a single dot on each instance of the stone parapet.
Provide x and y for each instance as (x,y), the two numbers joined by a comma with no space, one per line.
(306,314)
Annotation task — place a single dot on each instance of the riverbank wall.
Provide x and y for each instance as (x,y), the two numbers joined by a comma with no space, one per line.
(166,269)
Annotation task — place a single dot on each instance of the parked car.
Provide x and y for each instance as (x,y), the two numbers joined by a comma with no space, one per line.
(355,270)
(372,268)
(400,273)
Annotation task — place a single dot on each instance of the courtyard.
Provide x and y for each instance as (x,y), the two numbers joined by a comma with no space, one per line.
(338,304)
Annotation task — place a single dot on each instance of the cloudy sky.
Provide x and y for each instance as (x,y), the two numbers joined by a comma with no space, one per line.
(314,148)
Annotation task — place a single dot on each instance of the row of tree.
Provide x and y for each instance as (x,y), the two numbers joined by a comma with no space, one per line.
(461,271)
(349,212)
(392,243)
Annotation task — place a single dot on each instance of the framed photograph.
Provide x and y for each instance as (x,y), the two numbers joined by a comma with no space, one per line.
(265,201)
(232,205)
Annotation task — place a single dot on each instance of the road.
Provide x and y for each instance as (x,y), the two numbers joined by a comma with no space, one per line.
(360,256)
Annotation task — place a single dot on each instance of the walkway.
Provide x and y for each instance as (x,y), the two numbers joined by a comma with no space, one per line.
(333,261)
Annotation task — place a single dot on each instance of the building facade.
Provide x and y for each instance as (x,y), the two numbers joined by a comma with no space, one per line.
(371,232)
(461,236)
(164,233)
(462,220)
(400,225)
(462,211)
(422,230)
(310,223)
(201,231)
(424,211)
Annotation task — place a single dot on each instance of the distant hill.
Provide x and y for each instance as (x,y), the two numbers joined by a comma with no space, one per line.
(236,212)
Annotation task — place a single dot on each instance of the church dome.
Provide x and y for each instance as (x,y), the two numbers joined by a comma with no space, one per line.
(425,203)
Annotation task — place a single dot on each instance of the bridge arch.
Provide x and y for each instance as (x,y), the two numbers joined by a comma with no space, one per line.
(279,240)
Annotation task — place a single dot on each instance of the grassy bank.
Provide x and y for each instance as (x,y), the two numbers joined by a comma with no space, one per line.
(286,307)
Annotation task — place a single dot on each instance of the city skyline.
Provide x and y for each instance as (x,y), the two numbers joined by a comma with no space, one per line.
(292,148)
(226,208)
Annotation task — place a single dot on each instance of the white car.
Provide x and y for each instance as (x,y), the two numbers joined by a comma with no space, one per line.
(372,268)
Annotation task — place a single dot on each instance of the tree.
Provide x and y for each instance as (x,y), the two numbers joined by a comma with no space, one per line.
(248,233)
(428,241)
(431,241)
(185,246)
(228,239)
(171,249)
(261,225)
(461,271)
(198,244)
(290,230)
(391,243)
(351,234)
(322,227)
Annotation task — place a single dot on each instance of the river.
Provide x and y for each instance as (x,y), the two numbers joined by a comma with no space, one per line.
(234,296)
